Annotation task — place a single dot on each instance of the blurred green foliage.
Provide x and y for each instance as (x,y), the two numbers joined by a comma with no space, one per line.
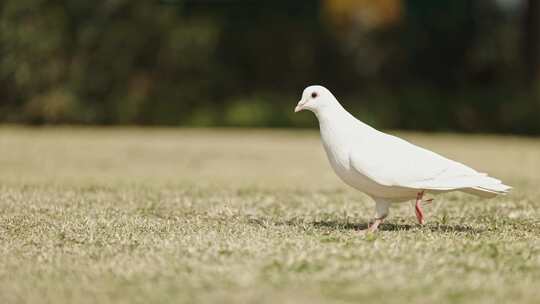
(446,65)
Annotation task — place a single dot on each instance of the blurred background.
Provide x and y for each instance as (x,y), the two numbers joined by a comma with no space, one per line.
(446,65)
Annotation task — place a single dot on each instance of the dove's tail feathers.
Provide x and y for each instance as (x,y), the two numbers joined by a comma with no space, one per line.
(489,191)
(491,188)
(478,184)
(486,186)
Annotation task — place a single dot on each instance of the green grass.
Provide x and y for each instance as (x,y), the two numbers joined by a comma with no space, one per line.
(214,216)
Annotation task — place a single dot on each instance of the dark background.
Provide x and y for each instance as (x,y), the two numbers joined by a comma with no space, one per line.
(445,65)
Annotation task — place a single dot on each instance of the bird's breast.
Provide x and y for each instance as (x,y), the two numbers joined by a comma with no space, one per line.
(338,156)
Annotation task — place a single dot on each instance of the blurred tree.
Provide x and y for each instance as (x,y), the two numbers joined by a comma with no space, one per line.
(364,13)
(531,43)
(105,61)
(451,64)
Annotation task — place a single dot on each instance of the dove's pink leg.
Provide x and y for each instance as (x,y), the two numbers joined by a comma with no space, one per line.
(418,208)
(381,212)
(375,225)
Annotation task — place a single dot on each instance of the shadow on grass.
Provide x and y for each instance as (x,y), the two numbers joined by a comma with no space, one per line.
(396,227)
(336,225)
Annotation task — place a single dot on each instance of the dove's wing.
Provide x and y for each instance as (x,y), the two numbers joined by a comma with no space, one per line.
(392,161)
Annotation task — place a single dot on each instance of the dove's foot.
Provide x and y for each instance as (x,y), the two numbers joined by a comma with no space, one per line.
(418,208)
(375,225)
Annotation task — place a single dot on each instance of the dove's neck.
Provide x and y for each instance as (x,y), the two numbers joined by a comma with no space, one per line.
(339,120)
(339,128)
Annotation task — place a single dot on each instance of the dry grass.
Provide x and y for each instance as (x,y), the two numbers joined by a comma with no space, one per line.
(214,216)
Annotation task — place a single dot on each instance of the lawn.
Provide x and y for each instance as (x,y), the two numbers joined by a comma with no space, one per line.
(231,216)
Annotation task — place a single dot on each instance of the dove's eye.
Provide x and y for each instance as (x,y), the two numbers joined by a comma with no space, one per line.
(314,95)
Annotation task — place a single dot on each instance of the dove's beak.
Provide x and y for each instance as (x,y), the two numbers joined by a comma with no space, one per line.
(299,107)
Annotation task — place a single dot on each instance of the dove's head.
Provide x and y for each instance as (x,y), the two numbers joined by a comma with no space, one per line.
(316,98)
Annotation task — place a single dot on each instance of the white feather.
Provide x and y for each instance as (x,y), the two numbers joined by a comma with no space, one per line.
(385,166)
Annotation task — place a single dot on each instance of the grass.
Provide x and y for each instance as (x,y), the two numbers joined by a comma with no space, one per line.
(215,216)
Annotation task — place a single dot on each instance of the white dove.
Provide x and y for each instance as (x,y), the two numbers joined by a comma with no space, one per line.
(387,168)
